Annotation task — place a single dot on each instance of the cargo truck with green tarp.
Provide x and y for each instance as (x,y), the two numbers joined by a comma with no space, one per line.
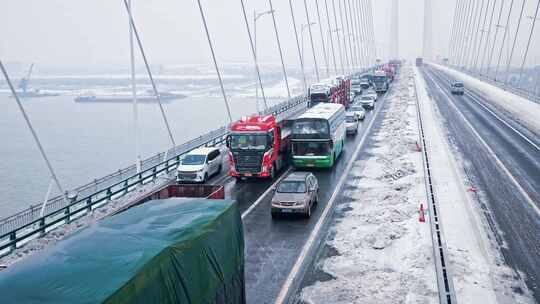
(174,250)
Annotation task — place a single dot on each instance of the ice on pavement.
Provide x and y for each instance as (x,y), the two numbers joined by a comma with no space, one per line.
(522,110)
(384,255)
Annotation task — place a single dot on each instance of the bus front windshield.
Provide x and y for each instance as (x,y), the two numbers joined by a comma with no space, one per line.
(311,126)
(311,149)
(379,78)
(249,142)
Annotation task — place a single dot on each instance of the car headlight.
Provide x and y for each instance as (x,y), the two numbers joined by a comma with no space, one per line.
(300,203)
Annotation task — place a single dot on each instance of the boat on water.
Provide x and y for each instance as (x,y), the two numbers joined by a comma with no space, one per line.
(26,92)
(146,97)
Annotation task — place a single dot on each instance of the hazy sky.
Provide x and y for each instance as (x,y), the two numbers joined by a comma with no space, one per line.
(94,33)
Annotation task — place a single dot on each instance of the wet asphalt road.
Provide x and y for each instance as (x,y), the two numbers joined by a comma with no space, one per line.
(514,221)
(273,246)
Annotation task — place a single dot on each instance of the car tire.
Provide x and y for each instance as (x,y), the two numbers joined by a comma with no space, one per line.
(273,172)
(220,168)
(308,213)
(205,178)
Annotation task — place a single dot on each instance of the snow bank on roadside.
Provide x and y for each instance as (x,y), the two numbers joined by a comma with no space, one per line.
(475,264)
(384,255)
(521,109)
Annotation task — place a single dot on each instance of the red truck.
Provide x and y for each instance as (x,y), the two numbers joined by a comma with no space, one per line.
(258,146)
(390,72)
(336,90)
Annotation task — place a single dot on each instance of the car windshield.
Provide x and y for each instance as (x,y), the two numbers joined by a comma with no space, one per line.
(356,82)
(193,159)
(458,85)
(248,141)
(292,187)
(356,109)
(366,98)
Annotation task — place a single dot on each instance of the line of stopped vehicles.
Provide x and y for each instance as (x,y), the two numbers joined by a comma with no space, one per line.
(260,146)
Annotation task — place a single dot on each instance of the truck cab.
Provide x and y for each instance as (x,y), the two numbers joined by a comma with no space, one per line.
(380,81)
(258,147)
(319,92)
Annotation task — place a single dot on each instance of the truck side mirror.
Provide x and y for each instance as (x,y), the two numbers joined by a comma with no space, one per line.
(228,141)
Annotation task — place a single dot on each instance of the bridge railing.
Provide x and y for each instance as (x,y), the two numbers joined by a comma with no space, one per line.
(27,224)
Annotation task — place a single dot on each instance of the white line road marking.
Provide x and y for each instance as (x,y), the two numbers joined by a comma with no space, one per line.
(477,100)
(265,193)
(312,237)
(489,150)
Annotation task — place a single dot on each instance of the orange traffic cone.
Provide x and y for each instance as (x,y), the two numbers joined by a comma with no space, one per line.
(422,218)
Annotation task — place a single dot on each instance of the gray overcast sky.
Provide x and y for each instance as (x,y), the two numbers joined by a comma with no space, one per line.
(83,32)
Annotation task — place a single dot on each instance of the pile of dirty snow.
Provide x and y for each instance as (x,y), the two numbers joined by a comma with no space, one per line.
(384,254)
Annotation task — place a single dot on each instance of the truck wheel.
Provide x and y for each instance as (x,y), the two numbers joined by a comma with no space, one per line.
(273,172)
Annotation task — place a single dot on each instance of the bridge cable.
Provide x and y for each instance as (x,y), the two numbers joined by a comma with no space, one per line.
(357,19)
(322,39)
(357,38)
(331,38)
(138,160)
(482,30)
(492,49)
(349,34)
(34,134)
(476,29)
(337,29)
(203,17)
(505,35)
(280,51)
(344,38)
(514,44)
(528,45)
(372,30)
(312,44)
(298,47)
(467,34)
(154,87)
(361,28)
(453,35)
(253,54)
(488,36)
(460,35)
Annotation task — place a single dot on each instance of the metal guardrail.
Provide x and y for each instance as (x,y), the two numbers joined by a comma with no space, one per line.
(28,223)
(518,91)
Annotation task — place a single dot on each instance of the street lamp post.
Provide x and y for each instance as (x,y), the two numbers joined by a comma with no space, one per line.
(256,17)
(303,27)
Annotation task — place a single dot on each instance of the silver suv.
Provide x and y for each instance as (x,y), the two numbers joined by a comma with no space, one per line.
(457,88)
(296,193)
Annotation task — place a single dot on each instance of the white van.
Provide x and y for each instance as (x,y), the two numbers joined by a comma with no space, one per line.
(200,164)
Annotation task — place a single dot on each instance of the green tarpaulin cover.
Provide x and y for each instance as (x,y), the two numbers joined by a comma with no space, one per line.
(164,251)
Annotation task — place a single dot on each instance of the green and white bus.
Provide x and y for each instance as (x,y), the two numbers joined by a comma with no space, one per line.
(318,136)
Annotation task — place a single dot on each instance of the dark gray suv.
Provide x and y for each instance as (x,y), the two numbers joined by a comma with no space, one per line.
(296,193)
